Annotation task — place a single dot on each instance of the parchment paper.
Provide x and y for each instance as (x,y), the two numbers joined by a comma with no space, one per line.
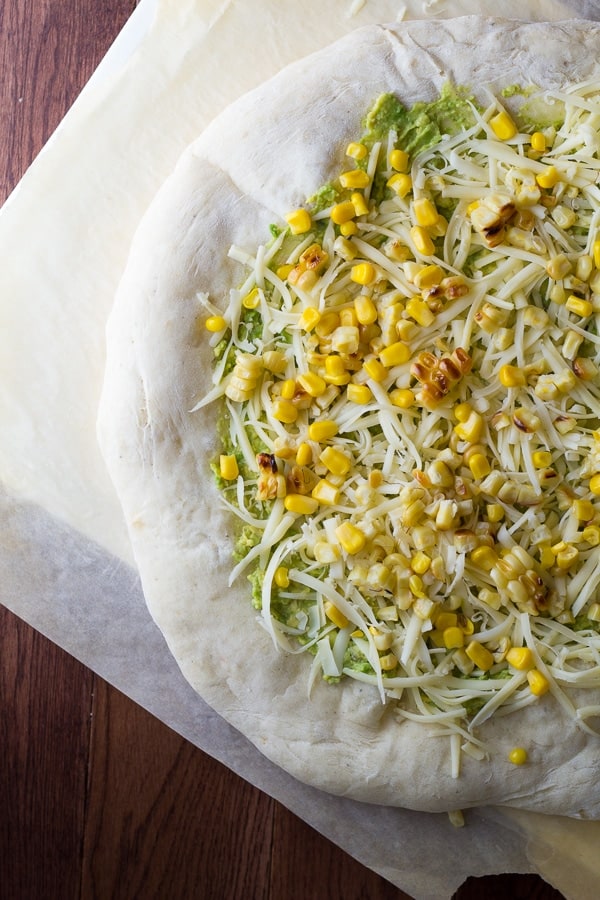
(64,556)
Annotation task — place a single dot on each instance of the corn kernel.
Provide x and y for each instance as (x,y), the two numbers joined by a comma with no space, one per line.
(325,492)
(558,267)
(361,207)
(215,324)
(511,376)
(284,411)
(462,411)
(327,324)
(322,430)
(538,683)
(418,310)
(503,126)
(352,538)
(365,309)
(336,461)
(584,510)
(416,586)
(228,467)
(375,478)
(335,365)
(484,557)
(299,221)
(399,160)
(595,484)
(309,318)
(548,178)
(347,229)
(355,178)
(345,339)
(494,512)
(567,557)
(281,577)
(579,306)
(453,638)
(363,273)
(356,150)
(334,614)
(342,212)
(395,355)
(375,369)
(594,612)
(591,535)
(403,398)
(304,454)
(251,300)
(445,620)
(472,429)
(424,212)
(480,655)
(388,662)
(428,276)
(538,141)
(312,383)
(541,459)
(283,271)
(288,388)
(520,658)
(479,465)
(301,504)
(596,253)
(400,183)
(422,241)
(518,756)
(359,393)
(420,563)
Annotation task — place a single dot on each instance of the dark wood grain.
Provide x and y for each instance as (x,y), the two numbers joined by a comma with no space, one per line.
(99,800)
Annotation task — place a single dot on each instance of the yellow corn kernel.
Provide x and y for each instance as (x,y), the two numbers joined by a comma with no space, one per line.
(228,467)
(579,306)
(462,411)
(480,655)
(453,638)
(596,253)
(484,557)
(336,461)
(304,454)
(275,361)
(420,563)
(283,271)
(422,241)
(548,178)
(400,183)
(594,612)
(479,465)
(375,369)
(301,504)
(520,658)
(558,267)
(334,614)
(375,478)
(418,310)
(538,683)
(584,510)
(215,324)
(494,512)
(288,388)
(342,212)
(388,662)
(541,459)
(363,273)
(591,535)
(309,318)
(538,141)
(322,430)
(335,365)
(299,221)
(512,376)
(352,538)
(398,160)
(347,229)
(325,492)
(428,276)
(416,586)
(595,484)
(361,207)
(355,178)
(251,300)
(466,626)
(518,756)
(425,212)
(282,577)
(394,355)
(445,620)
(403,398)
(284,411)
(472,429)
(503,126)
(356,150)
(359,393)
(365,309)
(445,517)
(312,383)
(567,557)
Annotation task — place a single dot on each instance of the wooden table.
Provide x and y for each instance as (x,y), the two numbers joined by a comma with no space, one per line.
(98,798)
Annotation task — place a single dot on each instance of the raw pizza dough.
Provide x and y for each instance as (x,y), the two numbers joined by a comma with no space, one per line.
(260,158)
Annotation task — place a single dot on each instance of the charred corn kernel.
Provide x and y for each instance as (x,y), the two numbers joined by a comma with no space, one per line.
(347,229)
(548,178)
(301,504)
(418,310)
(361,207)
(395,355)
(359,393)
(352,538)
(428,276)
(284,411)
(594,612)
(325,492)
(472,429)
(388,662)
(304,454)
(480,655)
(356,150)
(422,240)
(445,620)
(538,141)
(399,160)
(363,273)
(453,638)
(336,461)
(595,484)
(567,557)
(228,467)
(538,683)
(312,383)
(503,126)
(520,658)
(512,376)
(400,183)
(334,614)
(355,178)
(518,756)
(288,388)
(299,221)
(215,324)
(479,465)
(484,557)
(403,398)
(366,311)
(322,430)
(309,318)
(541,459)
(584,510)
(558,267)
(494,512)
(375,369)
(591,535)
(342,212)
(282,577)
(579,306)
(424,212)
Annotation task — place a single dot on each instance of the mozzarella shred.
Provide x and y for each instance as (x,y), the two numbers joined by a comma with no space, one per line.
(419,365)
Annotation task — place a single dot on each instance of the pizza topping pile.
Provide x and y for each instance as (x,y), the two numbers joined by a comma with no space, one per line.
(410,379)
